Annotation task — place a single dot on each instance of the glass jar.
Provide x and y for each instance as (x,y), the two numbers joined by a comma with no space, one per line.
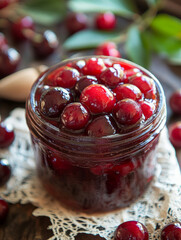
(95,174)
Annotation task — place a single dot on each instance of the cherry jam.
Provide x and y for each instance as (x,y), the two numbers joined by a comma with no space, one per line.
(95,141)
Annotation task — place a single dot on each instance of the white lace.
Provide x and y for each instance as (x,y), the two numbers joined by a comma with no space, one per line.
(160,205)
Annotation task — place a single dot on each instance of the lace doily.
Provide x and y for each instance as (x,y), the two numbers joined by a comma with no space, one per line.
(160,204)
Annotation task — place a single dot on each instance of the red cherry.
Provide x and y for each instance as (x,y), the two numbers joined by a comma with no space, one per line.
(148,109)
(108,49)
(101,126)
(4,3)
(75,116)
(112,76)
(58,164)
(19,27)
(66,77)
(84,82)
(171,231)
(53,100)
(175,134)
(175,101)
(131,230)
(145,84)
(44,44)
(5,171)
(105,21)
(78,65)
(6,135)
(127,112)
(9,61)
(127,91)
(4,208)
(76,22)
(98,98)
(94,66)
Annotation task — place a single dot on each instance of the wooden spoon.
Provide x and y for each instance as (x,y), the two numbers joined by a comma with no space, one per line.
(17,86)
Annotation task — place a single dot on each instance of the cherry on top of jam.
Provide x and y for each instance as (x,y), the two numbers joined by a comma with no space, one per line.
(148,109)
(53,100)
(101,126)
(75,116)
(131,230)
(78,65)
(144,83)
(6,135)
(127,112)
(112,76)
(84,82)
(94,66)
(171,231)
(4,209)
(123,91)
(66,77)
(98,99)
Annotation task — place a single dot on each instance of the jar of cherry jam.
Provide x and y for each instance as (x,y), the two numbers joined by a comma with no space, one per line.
(95,124)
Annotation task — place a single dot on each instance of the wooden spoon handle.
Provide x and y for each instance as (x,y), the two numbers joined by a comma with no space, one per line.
(17,86)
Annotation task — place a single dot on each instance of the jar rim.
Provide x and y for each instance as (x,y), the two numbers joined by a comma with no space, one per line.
(57,133)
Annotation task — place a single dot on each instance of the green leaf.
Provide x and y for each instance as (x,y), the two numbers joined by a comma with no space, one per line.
(45,12)
(119,7)
(137,47)
(89,39)
(168,25)
(168,47)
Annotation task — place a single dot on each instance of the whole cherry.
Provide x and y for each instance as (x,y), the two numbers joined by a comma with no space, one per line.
(171,231)
(44,44)
(175,101)
(4,209)
(105,21)
(5,171)
(75,22)
(19,27)
(9,61)
(108,49)
(131,230)
(6,135)
(175,134)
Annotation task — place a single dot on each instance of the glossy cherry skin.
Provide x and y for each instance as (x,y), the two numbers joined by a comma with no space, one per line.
(6,135)
(75,116)
(175,134)
(175,101)
(93,66)
(19,27)
(84,82)
(131,230)
(145,84)
(9,61)
(75,22)
(112,76)
(123,91)
(5,171)
(105,21)
(67,77)
(98,99)
(58,164)
(101,126)
(107,49)
(44,44)
(53,100)
(4,209)
(148,109)
(172,231)
(127,112)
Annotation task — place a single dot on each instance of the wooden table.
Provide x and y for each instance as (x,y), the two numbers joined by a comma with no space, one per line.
(20,224)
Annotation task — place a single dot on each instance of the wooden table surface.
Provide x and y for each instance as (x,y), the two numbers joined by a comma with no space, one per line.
(20,224)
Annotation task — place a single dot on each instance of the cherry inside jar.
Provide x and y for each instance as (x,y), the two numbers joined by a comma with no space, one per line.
(95,124)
